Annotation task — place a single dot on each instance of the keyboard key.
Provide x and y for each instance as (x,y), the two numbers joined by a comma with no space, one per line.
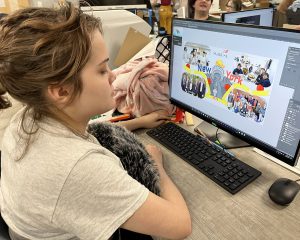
(243,179)
(234,186)
(218,177)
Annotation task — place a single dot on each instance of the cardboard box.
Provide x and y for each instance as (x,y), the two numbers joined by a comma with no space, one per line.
(115,25)
(133,43)
(262,4)
(8,6)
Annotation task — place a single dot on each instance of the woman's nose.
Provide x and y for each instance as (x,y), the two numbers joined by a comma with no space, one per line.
(112,77)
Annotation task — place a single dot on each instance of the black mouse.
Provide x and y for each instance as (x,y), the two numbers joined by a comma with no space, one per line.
(283,191)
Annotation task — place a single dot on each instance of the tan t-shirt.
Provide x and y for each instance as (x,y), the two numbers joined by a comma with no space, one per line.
(65,187)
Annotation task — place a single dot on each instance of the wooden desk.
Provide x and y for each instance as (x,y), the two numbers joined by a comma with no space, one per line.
(249,214)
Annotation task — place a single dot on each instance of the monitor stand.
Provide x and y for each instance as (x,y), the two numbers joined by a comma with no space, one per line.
(226,140)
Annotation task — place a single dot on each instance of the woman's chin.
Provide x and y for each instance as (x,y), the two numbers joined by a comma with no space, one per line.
(111,106)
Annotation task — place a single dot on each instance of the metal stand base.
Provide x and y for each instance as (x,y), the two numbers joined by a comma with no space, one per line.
(225,139)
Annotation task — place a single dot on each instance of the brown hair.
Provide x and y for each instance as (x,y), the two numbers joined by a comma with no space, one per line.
(41,47)
(191,9)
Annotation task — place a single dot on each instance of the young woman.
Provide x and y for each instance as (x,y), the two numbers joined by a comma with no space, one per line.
(199,9)
(57,181)
(233,5)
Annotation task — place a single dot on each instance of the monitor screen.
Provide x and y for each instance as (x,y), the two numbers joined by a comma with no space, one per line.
(243,79)
(261,17)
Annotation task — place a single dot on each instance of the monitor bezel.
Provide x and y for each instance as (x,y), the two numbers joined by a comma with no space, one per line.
(248,10)
(245,137)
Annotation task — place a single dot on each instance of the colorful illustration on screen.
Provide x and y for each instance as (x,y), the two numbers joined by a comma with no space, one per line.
(239,81)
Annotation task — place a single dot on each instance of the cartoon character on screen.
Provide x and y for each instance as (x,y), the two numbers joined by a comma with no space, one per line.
(230,100)
(245,62)
(193,57)
(251,100)
(257,70)
(236,102)
(261,113)
(249,110)
(263,80)
(201,88)
(188,81)
(186,55)
(195,85)
(202,58)
(256,111)
(217,80)
(251,68)
(215,92)
(260,74)
(183,81)
(199,65)
(255,102)
(243,110)
(192,83)
(238,70)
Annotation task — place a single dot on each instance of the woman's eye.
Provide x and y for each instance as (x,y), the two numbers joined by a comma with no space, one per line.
(103,72)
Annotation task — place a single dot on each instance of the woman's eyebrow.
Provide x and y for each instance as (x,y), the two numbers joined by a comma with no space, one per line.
(106,60)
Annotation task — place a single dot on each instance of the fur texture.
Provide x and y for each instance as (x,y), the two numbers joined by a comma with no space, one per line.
(134,157)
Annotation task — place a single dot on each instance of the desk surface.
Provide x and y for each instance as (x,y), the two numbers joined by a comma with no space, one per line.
(249,214)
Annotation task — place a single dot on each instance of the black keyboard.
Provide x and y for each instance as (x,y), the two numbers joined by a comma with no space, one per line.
(211,160)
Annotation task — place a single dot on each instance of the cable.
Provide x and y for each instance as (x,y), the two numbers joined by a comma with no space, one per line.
(218,141)
(224,145)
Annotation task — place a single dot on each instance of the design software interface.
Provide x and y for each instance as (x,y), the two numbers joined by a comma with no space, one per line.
(243,78)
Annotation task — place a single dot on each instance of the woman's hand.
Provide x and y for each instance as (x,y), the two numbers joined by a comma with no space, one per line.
(153,119)
(297,27)
(150,120)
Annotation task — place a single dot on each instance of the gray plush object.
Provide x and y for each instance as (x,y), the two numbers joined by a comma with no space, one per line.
(133,155)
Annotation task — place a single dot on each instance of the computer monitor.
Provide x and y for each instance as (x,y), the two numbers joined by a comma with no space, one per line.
(115,4)
(260,16)
(243,79)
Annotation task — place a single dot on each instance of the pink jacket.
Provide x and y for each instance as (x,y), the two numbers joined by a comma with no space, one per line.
(141,87)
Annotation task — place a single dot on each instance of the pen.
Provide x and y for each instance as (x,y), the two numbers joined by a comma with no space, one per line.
(199,131)
(202,134)
(222,148)
(120,117)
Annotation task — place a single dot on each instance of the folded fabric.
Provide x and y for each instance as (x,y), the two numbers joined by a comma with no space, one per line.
(141,87)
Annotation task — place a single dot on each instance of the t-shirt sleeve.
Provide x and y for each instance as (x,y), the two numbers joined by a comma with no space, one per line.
(97,198)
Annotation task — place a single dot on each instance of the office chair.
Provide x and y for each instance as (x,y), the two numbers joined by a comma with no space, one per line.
(3,230)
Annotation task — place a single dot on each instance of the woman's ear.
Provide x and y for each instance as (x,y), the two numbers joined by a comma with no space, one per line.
(59,95)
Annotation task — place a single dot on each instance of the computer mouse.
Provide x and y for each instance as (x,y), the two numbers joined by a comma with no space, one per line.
(283,191)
